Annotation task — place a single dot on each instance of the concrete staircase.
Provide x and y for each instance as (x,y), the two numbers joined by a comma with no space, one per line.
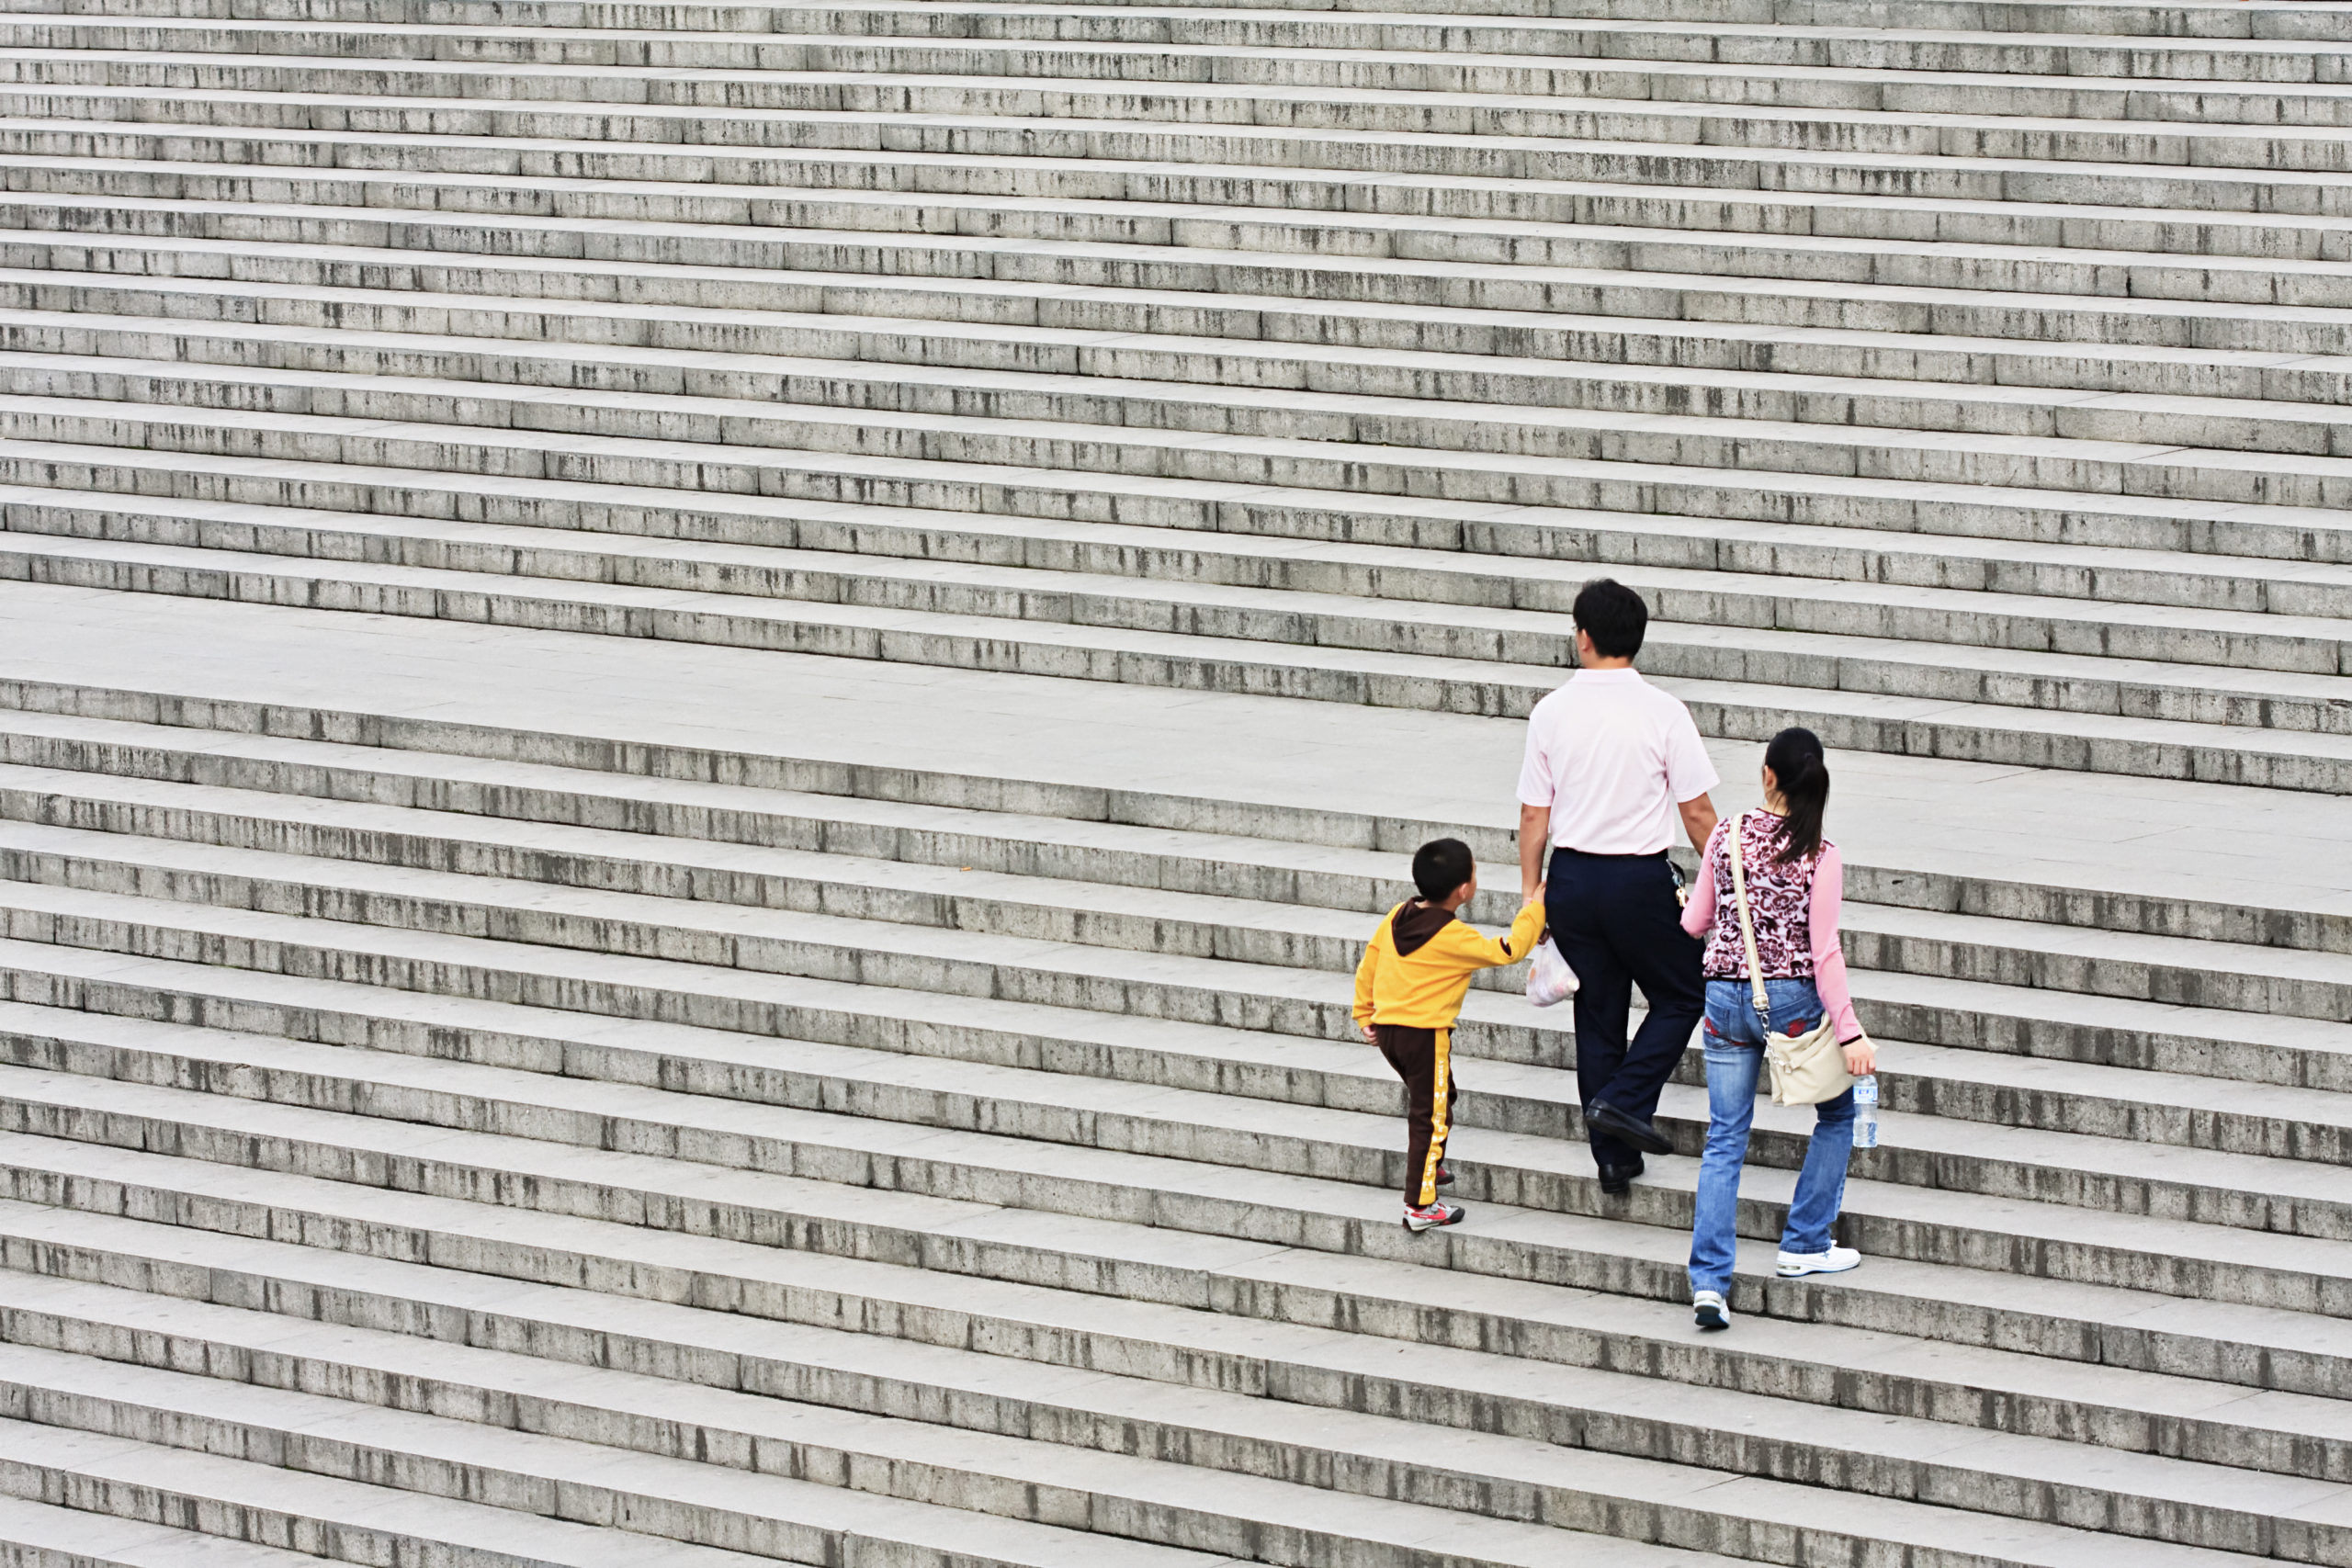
(700,703)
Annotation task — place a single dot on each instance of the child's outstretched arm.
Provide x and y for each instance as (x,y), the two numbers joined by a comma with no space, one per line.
(1477,951)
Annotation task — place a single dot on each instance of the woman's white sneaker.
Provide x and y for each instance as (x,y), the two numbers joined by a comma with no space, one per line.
(1836,1260)
(1708,1310)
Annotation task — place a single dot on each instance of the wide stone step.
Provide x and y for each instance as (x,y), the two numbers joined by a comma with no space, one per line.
(1336,1116)
(856,1255)
(1108,1492)
(2205,25)
(1140,426)
(2091,1101)
(2199,54)
(1541,362)
(542,1142)
(2244,401)
(1332,859)
(1080,426)
(1933,251)
(1697,321)
(2054,597)
(2155,844)
(2132,297)
(2114,659)
(2275,157)
(2099,82)
(2066,851)
(2148,1081)
(2101,16)
(1008,1412)
(732,904)
(46,1535)
(672,1499)
(100,444)
(1137,175)
(642,1322)
(228,1512)
(2094,737)
(1451,402)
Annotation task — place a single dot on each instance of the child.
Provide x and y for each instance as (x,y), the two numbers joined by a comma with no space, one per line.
(1410,987)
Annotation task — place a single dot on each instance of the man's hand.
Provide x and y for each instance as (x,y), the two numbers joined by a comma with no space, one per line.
(1535,897)
(1861,1057)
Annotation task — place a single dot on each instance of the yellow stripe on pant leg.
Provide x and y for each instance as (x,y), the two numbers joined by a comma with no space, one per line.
(1440,1113)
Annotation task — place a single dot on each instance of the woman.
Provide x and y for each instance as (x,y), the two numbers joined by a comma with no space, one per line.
(1795,883)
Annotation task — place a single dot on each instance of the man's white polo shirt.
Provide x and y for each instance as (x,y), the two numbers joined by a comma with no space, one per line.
(1612,756)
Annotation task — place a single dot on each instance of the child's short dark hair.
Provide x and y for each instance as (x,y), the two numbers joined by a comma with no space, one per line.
(1613,617)
(1441,865)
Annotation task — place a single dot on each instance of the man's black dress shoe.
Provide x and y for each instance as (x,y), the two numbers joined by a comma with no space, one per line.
(1602,1117)
(1616,1178)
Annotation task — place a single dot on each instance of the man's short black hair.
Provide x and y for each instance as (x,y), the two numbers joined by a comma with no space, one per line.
(1613,617)
(1441,865)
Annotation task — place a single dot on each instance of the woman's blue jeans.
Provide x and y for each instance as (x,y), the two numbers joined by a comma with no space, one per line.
(1734,1041)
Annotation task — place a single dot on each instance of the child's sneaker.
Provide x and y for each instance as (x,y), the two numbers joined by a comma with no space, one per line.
(1436,1215)
(1444,1176)
(1836,1260)
(1710,1311)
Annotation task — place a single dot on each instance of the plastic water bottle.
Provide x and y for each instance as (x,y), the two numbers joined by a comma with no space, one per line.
(1866,1112)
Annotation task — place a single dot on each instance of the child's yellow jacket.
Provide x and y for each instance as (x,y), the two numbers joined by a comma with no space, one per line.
(1416,967)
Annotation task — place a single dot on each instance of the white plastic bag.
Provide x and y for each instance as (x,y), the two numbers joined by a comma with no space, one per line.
(1550,981)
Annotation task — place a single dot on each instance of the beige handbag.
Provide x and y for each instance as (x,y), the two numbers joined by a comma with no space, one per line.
(1806,1068)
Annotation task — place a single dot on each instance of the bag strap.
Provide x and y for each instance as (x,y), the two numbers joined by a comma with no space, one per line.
(1763,1003)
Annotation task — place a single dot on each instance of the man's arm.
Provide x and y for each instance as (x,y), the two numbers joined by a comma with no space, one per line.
(1534,837)
(1698,822)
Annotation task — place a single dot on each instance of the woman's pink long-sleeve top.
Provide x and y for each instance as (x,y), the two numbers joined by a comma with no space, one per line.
(1709,914)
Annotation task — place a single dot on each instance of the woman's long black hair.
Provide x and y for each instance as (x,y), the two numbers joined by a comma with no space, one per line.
(1796,761)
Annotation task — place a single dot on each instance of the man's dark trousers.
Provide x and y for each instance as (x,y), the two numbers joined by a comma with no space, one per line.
(1618,924)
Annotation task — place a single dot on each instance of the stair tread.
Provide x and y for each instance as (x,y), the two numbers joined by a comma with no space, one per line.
(106,1541)
(291,1497)
(1152,1179)
(1039,1324)
(415,70)
(1904,28)
(546,139)
(1381,1441)
(1108,751)
(998,1095)
(1859,447)
(427,304)
(1358,876)
(1189,1273)
(1542,588)
(1520,684)
(1286,1068)
(2257,184)
(551,1461)
(1529,580)
(714,911)
(574,266)
(2043,407)
(1571,31)
(1298,1215)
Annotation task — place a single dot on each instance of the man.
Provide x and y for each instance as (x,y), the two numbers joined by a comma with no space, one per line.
(1612,763)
